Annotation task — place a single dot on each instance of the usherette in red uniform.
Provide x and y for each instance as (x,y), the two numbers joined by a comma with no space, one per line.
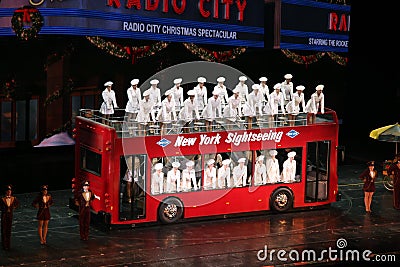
(83,200)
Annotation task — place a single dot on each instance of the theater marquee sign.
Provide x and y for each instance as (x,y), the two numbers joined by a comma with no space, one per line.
(220,22)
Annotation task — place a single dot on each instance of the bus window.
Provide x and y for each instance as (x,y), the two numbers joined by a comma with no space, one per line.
(217,171)
(190,168)
(90,161)
(241,172)
(279,165)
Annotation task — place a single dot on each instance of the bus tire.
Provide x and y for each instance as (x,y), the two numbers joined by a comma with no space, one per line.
(388,182)
(281,200)
(170,210)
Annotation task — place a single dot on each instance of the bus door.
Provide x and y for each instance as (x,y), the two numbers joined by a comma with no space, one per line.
(132,201)
(317,171)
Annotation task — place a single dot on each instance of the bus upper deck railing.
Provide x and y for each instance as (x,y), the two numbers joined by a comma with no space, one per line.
(130,128)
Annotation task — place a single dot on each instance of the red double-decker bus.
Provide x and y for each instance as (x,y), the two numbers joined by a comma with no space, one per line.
(190,171)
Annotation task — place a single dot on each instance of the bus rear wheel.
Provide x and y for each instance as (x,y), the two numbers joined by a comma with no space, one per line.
(170,210)
(281,200)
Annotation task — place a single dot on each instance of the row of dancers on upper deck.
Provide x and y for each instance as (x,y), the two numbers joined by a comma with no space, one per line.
(149,106)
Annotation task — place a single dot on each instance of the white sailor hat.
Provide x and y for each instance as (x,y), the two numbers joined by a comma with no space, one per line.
(210,161)
(134,81)
(319,87)
(273,152)
(288,76)
(86,183)
(261,157)
(300,87)
(158,166)
(201,80)
(277,86)
(226,162)
(242,78)
(108,83)
(155,81)
(242,160)
(235,91)
(177,80)
(263,79)
(255,86)
(221,79)
(176,164)
(190,163)
(291,154)
(146,93)
(168,92)
(191,93)
(216,91)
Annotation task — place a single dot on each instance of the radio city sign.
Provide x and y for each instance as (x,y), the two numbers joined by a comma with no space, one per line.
(221,22)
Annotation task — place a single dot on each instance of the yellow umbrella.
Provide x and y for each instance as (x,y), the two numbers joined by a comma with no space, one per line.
(390,133)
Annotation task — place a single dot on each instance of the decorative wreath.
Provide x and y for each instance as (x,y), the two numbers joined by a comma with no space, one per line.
(27,15)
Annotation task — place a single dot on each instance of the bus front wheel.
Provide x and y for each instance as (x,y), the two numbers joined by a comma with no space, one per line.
(171,210)
(281,200)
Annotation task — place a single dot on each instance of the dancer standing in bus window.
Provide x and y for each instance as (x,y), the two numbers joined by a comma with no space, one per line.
(273,175)
(157,180)
(260,172)
(224,174)
(289,168)
(210,175)
(239,173)
(174,178)
(189,177)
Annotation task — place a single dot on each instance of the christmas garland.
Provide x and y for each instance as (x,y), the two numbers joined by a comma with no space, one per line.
(338,59)
(299,59)
(215,56)
(126,52)
(28,16)
(59,93)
